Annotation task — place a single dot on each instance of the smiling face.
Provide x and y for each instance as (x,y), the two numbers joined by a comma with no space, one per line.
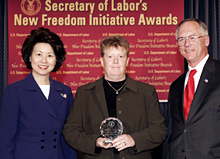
(43,60)
(114,62)
(193,53)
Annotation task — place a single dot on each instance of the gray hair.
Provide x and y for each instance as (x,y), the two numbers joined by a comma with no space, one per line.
(203,26)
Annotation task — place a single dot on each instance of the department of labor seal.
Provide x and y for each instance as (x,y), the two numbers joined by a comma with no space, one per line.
(30,7)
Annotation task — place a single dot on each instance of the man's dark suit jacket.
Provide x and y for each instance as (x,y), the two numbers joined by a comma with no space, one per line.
(199,136)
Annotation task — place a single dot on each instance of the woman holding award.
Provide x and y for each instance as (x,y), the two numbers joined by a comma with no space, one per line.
(119,102)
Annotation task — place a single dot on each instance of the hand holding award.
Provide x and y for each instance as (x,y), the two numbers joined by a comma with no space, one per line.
(111,128)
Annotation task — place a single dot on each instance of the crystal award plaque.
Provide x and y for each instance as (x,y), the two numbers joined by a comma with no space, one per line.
(111,128)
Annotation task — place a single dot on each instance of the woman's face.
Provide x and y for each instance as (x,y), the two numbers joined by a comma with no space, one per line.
(114,62)
(43,59)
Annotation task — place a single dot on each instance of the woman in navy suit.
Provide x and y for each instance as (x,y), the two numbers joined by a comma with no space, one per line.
(34,110)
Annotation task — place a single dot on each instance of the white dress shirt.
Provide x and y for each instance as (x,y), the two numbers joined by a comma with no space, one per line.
(45,89)
(199,69)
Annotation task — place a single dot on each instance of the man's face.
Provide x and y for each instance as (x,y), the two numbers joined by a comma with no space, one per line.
(193,53)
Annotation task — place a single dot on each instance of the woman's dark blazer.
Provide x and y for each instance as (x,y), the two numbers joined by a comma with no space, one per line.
(138,109)
(31,125)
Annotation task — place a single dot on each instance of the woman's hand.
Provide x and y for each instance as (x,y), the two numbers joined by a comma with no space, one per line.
(122,142)
(100,142)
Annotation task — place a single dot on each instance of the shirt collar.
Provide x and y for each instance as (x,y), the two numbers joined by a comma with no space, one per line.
(200,66)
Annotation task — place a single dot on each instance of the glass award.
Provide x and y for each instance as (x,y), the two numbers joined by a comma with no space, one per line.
(111,128)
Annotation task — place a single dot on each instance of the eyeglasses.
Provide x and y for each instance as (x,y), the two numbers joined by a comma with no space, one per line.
(193,39)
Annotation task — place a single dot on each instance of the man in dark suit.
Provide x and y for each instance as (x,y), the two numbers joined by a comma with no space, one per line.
(195,130)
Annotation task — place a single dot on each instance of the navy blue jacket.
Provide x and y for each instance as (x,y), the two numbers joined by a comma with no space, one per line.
(30,125)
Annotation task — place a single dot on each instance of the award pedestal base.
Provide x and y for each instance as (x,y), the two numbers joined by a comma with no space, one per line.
(108,141)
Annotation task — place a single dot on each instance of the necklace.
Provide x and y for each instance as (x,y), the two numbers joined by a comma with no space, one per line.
(116,91)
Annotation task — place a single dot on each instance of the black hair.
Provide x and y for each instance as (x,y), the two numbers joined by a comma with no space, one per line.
(46,36)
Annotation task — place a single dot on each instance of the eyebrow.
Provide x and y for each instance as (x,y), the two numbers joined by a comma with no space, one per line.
(189,35)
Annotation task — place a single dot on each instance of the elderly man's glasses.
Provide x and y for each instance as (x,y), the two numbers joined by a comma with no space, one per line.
(193,39)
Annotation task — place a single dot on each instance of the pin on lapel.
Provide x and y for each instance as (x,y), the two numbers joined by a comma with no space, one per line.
(206,80)
(63,95)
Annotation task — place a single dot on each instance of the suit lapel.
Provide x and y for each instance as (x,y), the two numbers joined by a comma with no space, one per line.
(56,94)
(37,97)
(100,95)
(205,81)
(179,93)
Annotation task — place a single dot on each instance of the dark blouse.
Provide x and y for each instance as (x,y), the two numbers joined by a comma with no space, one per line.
(110,95)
